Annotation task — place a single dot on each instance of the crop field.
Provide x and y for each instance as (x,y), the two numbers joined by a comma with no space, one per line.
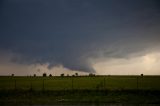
(80,83)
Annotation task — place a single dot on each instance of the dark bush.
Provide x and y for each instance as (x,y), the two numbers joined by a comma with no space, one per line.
(91,74)
(44,74)
(34,75)
(62,75)
(50,75)
(76,74)
(141,75)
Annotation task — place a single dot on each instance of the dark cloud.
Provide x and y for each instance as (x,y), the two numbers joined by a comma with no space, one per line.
(70,32)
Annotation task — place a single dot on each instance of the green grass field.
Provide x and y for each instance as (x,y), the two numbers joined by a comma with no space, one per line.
(80,83)
(98,89)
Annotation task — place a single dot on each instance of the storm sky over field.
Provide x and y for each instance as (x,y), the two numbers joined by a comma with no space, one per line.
(93,36)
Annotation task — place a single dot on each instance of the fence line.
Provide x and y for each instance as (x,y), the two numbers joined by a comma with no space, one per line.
(80,83)
(72,83)
(31,86)
(43,86)
(15,84)
(137,83)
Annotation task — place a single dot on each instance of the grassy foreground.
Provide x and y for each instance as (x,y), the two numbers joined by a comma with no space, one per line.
(79,96)
(99,89)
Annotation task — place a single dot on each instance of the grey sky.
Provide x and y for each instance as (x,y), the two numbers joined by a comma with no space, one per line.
(71,32)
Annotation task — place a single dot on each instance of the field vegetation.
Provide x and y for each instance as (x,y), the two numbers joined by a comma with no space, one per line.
(79,89)
(81,82)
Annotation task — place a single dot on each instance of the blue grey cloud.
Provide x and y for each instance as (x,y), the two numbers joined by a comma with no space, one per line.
(69,32)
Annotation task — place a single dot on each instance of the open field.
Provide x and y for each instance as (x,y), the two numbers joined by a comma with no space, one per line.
(99,89)
(90,83)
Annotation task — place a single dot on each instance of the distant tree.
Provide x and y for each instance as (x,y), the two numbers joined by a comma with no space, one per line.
(62,75)
(34,75)
(67,75)
(91,74)
(73,75)
(50,75)
(44,74)
(12,75)
(141,75)
(76,74)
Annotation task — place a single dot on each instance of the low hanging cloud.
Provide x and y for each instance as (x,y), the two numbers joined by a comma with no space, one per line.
(72,33)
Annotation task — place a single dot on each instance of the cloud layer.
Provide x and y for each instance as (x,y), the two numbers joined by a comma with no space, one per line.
(74,32)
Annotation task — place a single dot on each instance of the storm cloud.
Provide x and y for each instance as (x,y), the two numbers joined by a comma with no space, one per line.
(73,32)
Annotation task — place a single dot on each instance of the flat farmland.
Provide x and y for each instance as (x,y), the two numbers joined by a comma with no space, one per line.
(81,83)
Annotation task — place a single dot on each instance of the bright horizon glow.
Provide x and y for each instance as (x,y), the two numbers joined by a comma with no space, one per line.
(147,64)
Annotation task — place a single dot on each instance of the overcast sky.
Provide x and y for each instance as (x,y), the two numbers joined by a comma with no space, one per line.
(95,36)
